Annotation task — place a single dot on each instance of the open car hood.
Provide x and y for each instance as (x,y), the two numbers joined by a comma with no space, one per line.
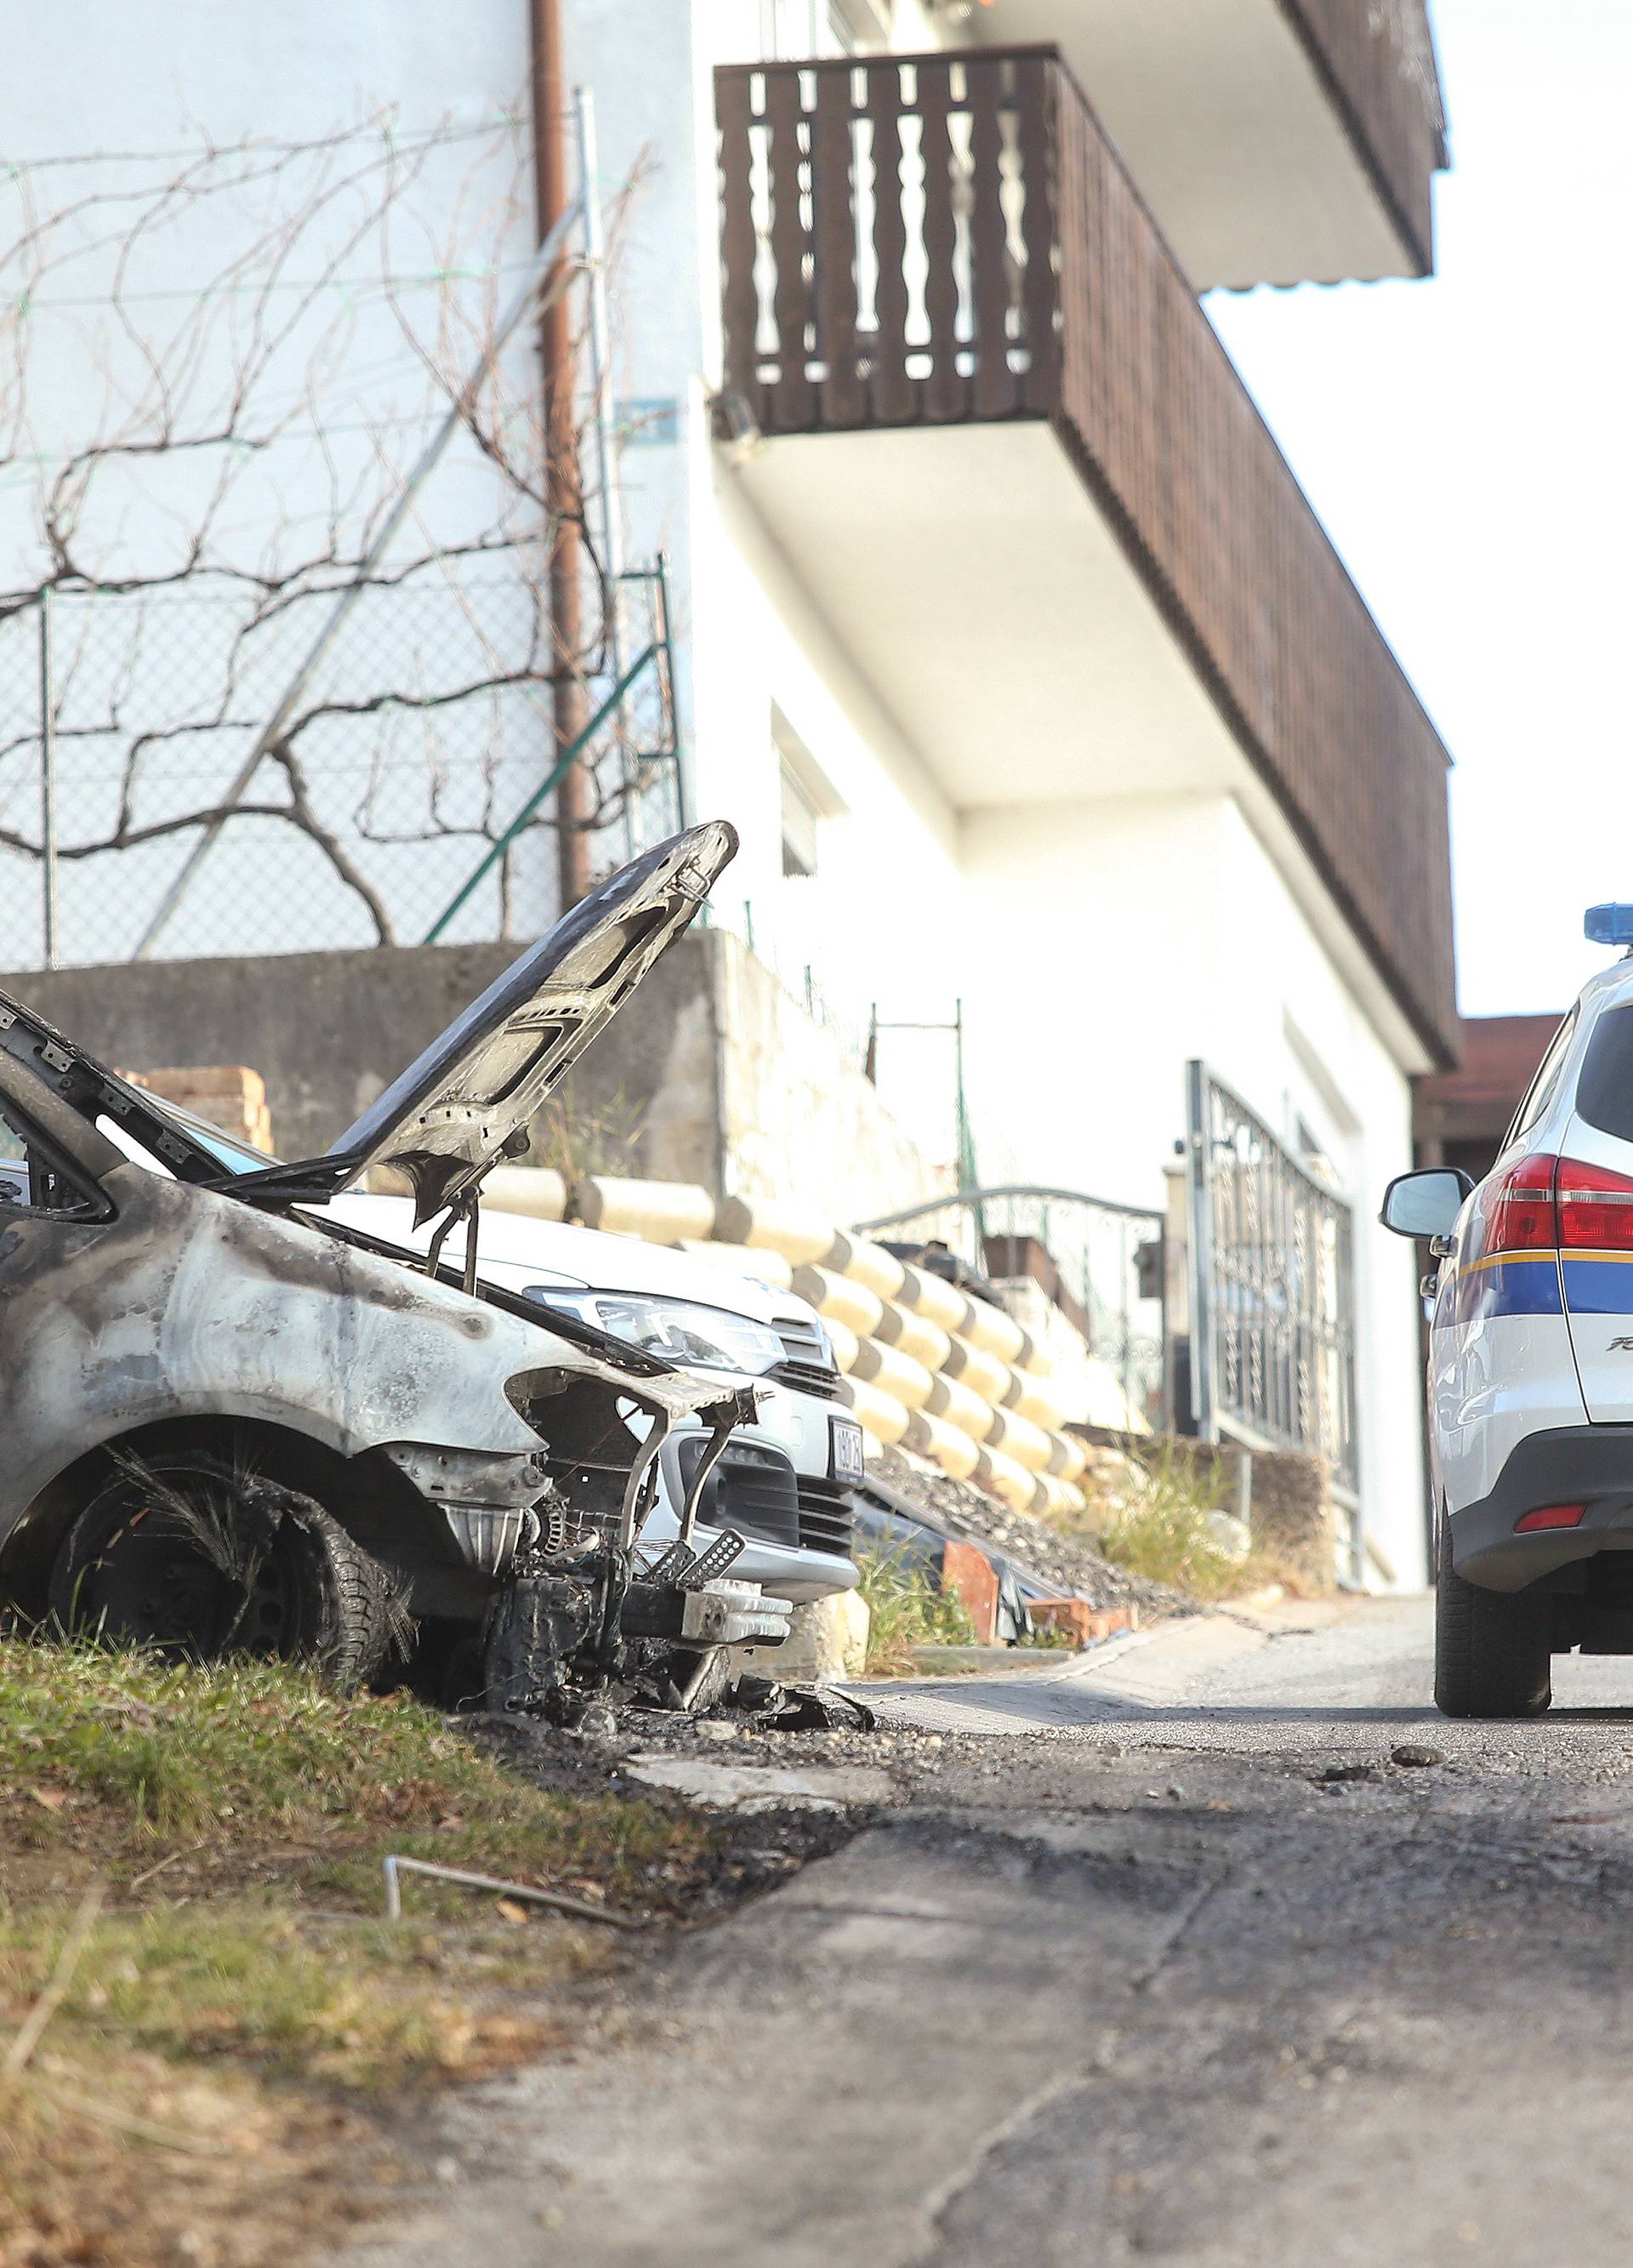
(453,1112)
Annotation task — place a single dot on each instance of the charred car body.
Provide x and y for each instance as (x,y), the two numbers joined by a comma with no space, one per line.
(229,1423)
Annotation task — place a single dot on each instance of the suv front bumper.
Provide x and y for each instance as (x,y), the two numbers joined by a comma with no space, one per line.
(797,1523)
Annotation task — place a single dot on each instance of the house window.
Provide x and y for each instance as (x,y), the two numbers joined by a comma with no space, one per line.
(807,799)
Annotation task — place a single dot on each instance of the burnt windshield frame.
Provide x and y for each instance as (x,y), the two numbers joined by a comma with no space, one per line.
(30,1119)
(90,1092)
(1605,1083)
(232,1156)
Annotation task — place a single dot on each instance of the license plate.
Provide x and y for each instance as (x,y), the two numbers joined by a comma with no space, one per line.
(846,1458)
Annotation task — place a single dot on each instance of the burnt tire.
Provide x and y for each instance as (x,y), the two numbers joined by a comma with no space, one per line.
(184,1556)
(1493,1649)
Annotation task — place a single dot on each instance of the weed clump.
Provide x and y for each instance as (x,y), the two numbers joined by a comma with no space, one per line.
(1166,1526)
(906,1609)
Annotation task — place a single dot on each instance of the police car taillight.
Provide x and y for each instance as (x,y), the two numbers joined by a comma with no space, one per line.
(1544,1201)
(1594,1208)
(1518,1207)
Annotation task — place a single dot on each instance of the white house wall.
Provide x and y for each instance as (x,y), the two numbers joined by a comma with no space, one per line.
(637,55)
(1146,930)
(881,922)
(1097,943)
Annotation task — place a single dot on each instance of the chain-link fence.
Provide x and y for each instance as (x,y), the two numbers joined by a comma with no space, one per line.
(422,737)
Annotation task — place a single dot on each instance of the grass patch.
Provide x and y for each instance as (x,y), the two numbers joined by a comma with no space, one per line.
(1047,1638)
(129,1759)
(237,1816)
(1163,1531)
(1171,1544)
(365,2006)
(905,1610)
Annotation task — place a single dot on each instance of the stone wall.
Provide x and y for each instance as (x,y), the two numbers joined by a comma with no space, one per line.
(326,1031)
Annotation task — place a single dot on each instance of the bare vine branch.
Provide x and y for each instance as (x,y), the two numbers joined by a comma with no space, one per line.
(274,327)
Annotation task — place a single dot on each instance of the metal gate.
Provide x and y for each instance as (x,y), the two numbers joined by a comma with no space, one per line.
(1098,1263)
(1272,1290)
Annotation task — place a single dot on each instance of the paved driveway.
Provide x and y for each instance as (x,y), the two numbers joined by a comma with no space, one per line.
(1132,1976)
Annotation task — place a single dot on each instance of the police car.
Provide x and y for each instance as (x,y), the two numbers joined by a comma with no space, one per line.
(1531,1366)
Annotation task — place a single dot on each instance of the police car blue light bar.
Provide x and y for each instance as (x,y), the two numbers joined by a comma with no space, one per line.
(1611,925)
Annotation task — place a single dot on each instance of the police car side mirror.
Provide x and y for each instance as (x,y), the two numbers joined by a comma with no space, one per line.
(1426,1204)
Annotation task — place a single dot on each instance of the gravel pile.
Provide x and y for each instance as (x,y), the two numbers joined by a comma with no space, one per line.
(1063,1562)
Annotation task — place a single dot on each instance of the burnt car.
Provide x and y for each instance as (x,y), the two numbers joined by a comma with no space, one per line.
(230,1423)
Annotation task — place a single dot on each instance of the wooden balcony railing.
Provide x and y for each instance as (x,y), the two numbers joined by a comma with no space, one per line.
(947,238)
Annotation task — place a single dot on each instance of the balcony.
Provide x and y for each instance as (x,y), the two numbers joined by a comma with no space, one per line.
(1275,141)
(981,415)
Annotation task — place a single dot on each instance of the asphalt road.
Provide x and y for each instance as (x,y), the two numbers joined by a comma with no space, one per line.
(1124,1978)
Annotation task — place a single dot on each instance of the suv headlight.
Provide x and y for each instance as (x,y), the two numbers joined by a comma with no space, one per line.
(705,1338)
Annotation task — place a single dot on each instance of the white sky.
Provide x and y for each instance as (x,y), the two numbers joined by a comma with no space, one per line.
(1466,442)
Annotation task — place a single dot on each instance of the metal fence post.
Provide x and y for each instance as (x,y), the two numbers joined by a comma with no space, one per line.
(597,341)
(1200,1255)
(663,634)
(47,787)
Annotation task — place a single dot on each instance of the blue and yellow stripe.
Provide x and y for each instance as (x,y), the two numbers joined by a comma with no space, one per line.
(1505,1283)
(1537,1283)
(1598,1282)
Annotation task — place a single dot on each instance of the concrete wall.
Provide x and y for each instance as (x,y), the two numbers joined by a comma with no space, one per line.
(329,1031)
(713,1071)
(799,1119)
(326,1031)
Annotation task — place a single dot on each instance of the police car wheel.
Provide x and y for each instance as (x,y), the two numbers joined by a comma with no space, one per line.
(1493,1651)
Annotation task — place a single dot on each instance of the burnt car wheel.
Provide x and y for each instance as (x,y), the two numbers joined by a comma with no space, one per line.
(184,1555)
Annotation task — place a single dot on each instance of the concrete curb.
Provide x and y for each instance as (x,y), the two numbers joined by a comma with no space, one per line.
(1042,1671)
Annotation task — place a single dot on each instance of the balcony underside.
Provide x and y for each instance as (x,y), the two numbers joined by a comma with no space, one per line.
(1233,117)
(994,609)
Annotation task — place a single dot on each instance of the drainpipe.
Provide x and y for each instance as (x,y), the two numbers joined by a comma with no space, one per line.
(563,495)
